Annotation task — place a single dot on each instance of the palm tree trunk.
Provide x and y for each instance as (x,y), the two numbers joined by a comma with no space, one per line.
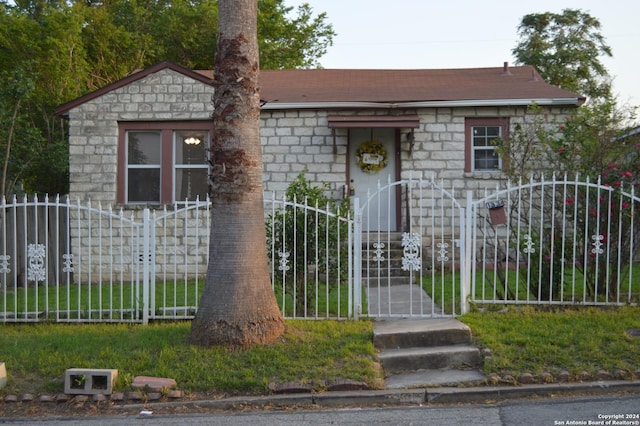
(237,307)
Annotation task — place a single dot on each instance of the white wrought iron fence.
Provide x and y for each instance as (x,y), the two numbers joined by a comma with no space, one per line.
(48,249)
(551,242)
(69,261)
(310,252)
(556,242)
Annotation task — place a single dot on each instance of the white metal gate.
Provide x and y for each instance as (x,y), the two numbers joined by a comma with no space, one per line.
(416,272)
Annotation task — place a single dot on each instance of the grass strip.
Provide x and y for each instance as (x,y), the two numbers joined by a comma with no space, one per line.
(37,355)
(521,340)
(530,340)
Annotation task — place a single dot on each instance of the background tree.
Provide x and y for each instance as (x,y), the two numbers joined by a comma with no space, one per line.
(238,307)
(566,49)
(15,90)
(291,43)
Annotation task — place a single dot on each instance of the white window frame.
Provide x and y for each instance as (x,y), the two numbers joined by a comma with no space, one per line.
(475,149)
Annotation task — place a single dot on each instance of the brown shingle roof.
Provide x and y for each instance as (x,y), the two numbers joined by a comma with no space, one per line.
(327,86)
(354,85)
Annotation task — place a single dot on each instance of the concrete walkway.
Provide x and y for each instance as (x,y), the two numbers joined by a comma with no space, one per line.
(400,301)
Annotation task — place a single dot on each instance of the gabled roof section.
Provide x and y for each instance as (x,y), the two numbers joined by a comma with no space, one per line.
(134,76)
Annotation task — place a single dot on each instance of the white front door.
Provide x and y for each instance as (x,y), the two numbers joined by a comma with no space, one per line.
(375,165)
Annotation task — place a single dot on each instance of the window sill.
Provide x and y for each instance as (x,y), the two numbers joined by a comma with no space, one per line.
(487,175)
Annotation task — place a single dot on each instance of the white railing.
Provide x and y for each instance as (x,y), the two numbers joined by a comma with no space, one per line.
(556,242)
(58,257)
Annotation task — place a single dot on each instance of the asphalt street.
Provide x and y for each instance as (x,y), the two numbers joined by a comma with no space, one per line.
(602,410)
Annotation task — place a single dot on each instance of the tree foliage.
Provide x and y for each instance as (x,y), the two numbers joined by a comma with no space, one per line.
(566,49)
(70,48)
(585,142)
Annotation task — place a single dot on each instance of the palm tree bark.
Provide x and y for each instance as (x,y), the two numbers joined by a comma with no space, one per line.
(238,307)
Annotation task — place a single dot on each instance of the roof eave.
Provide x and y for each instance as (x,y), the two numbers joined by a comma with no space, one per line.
(425,104)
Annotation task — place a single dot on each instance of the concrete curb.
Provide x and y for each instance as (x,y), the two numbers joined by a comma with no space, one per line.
(373,398)
(501,393)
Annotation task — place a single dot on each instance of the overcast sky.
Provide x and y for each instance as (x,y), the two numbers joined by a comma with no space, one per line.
(467,34)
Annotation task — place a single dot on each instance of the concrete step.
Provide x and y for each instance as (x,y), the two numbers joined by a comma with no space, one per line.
(416,333)
(395,361)
(427,378)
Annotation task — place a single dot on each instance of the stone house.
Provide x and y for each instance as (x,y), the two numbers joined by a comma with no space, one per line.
(141,140)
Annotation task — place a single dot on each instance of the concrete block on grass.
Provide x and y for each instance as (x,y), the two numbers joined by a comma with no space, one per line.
(156,384)
(89,381)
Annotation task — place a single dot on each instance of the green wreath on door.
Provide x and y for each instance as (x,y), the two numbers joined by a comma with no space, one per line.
(372,156)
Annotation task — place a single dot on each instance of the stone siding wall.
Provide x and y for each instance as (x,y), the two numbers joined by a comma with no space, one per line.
(301,141)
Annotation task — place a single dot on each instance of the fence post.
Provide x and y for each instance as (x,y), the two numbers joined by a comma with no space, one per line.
(146,220)
(465,287)
(357,258)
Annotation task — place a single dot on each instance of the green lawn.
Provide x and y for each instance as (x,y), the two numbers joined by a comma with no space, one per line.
(521,340)
(530,340)
(122,301)
(37,355)
(443,287)
(95,301)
